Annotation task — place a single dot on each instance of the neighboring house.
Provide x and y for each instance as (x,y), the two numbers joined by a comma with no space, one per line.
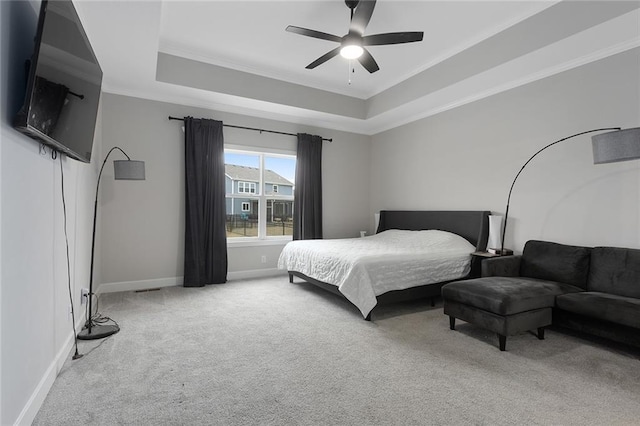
(246,180)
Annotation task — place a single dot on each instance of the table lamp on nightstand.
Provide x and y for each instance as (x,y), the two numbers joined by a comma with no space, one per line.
(495,226)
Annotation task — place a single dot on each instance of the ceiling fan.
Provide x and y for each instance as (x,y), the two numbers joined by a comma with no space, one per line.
(352,45)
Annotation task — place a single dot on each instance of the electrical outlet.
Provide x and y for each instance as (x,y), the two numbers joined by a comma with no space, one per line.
(84,296)
(264,259)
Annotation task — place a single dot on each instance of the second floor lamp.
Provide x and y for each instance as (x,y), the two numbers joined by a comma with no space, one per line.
(128,169)
(614,146)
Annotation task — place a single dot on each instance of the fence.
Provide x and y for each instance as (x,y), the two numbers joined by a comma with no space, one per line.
(246,225)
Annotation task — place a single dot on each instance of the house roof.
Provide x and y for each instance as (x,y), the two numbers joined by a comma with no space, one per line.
(246,173)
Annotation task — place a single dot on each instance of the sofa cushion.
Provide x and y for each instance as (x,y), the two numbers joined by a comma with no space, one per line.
(556,262)
(615,270)
(604,306)
(506,295)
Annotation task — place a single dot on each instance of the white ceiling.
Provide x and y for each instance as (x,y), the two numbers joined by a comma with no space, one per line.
(236,55)
(254,37)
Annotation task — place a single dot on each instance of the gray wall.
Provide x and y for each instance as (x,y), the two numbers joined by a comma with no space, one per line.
(36,327)
(142,222)
(460,159)
(466,158)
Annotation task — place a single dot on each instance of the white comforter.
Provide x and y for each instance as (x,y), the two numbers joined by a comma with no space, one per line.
(363,268)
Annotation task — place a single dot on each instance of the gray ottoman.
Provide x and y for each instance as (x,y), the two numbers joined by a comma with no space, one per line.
(504,305)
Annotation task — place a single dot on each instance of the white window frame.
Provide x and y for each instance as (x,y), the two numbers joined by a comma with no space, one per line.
(274,188)
(242,206)
(245,187)
(261,197)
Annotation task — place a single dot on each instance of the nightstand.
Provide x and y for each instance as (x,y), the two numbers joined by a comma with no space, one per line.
(476,262)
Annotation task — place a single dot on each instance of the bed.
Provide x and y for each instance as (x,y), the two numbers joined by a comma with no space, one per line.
(395,264)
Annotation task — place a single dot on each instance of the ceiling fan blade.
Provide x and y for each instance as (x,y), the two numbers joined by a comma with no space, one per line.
(313,33)
(392,38)
(368,62)
(324,58)
(362,16)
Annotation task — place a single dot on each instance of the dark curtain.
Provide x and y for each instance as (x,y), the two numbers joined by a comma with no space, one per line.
(307,210)
(205,241)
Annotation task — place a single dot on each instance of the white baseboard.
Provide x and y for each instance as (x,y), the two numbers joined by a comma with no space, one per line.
(139,285)
(177,281)
(31,408)
(255,273)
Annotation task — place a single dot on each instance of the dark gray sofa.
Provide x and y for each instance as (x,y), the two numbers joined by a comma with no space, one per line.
(593,290)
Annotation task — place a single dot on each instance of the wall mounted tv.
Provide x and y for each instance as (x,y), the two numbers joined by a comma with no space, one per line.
(63,88)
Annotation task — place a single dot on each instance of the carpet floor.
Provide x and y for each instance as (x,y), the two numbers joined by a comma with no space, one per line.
(262,352)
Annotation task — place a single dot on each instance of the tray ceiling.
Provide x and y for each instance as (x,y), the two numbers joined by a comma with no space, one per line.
(235,56)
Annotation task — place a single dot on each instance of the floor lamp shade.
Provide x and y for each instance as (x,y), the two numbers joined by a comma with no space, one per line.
(128,170)
(621,145)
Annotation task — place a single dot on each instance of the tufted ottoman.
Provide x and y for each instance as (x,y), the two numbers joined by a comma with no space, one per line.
(504,305)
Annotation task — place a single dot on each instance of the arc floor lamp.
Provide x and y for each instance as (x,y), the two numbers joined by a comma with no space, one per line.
(614,146)
(128,169)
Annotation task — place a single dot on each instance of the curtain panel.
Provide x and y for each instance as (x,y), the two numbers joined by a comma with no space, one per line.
(205,248)
(307,217)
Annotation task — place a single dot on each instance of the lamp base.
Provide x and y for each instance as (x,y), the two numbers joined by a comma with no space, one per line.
(500,252)
(98,332)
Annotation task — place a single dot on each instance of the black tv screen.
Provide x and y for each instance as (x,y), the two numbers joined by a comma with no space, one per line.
(63,89)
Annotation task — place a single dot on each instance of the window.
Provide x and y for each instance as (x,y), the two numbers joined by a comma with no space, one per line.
(259,192)
(247,187)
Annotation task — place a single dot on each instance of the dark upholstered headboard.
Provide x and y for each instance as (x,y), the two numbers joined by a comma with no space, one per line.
(472,225)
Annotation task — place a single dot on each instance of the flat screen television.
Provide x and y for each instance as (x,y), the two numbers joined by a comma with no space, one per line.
(64,82)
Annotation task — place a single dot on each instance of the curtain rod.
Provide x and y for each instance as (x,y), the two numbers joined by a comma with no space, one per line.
(252,128)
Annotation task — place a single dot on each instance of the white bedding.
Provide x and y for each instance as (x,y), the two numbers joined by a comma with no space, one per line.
(363,268)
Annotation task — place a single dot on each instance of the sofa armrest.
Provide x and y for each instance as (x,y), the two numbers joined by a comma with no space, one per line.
(505,266)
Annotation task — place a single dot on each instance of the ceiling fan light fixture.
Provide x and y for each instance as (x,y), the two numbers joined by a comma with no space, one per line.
(351,44)
(351,51)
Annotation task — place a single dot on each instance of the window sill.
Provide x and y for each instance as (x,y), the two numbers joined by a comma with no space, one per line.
(242,242)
